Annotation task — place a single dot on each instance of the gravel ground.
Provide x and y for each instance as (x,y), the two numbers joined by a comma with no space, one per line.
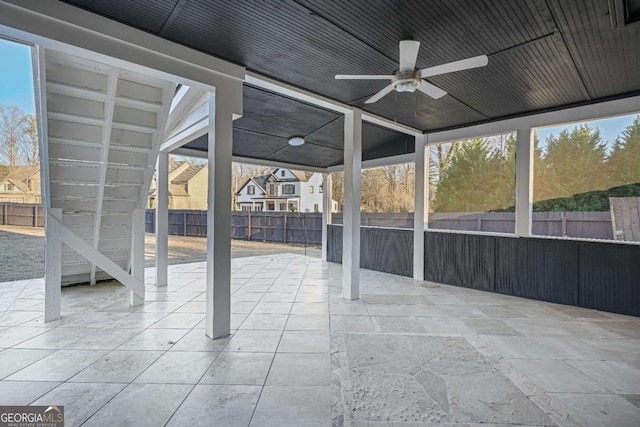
(22,251)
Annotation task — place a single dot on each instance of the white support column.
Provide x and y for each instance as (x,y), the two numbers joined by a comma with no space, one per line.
(221,110)
(137,253)
(524,181)
(351,214)
(326,212)
(53,267)
(162,219)
(420,206)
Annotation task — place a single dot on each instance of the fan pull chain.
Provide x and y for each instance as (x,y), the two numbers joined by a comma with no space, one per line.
(395,107)
(415,114)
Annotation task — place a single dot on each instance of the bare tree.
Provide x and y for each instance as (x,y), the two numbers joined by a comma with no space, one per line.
(29,139)
(10,135)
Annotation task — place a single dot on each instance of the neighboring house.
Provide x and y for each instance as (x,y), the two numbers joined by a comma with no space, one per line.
(281,189)
(187,186)
(21,186)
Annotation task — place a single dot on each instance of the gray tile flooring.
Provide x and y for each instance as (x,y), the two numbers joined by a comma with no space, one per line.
(407,353)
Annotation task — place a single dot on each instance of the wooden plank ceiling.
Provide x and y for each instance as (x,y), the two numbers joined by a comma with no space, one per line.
(543,55)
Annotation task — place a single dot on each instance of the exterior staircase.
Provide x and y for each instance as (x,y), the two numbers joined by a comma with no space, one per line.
(104,127)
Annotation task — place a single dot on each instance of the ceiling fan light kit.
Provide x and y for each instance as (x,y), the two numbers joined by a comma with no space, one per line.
(409,79)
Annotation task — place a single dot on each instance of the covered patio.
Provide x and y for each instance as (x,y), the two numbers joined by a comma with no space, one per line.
(392,326)
(408,352)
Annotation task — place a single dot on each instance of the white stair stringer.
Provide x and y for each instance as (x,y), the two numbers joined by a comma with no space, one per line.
(104,127)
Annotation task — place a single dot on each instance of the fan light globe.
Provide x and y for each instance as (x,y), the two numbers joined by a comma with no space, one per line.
(296,141)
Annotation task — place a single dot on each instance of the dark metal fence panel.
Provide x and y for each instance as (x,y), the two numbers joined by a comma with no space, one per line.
(381,249)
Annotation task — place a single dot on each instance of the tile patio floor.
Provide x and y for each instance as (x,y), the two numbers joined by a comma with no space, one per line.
(407,353)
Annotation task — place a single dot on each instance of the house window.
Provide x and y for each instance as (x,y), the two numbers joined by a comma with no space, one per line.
(246,208)
(273,190)
(311,189)
(320,189)
(288,189)
(251,189)
(258,207)
(271,206)
(316,208)
(283,206)
(8,186)
(282,173)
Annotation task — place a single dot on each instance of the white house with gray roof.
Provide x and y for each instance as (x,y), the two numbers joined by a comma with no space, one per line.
(282,190)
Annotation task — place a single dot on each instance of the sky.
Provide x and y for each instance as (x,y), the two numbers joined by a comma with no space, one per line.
(16,76)
(610,128)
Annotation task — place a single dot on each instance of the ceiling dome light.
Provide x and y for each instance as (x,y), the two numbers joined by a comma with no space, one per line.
(296,141)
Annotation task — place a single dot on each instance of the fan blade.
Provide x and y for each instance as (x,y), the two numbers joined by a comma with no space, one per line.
(464,64)
(362,77)
(433,91)
(379,95)
(408,55)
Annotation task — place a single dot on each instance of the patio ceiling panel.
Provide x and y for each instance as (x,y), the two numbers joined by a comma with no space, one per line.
(600,44)
(543,54)
(531,76)
(148,15)
(308,155)
(277,115)
(282,40)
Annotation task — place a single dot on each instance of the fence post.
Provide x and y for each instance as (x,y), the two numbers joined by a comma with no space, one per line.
(479,222)
(564,223)
(184,223)
(284,237)
(35,216)
(249,228)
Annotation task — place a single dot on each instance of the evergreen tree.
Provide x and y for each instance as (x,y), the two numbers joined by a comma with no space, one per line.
(479,178)
(623,164)
(574,163)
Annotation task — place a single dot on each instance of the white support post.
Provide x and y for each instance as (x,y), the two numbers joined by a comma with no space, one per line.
(137,253)
(351,214)
(524,181)
(162,219)
(420,206)
(218,300)
(109,107)
(53,267)
(326,212)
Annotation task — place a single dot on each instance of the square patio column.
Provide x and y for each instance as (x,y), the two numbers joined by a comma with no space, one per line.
(524,181)
(351,214)
(420,205)
(162,219)
(326,212)
(223,105)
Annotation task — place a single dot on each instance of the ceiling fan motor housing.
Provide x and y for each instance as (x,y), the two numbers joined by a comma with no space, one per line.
(406,82)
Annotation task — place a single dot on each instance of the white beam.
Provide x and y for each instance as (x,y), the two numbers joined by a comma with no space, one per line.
(524,181)
(53,266)
(162,219)
(69,29)
(420,206)
(326,212)
(137,251)
(390,124)
(218,297)
(351,213)
(109,106)
(276,164)
(378,163)
(575,114)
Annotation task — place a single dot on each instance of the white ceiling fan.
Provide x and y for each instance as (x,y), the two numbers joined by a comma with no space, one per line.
(408,78)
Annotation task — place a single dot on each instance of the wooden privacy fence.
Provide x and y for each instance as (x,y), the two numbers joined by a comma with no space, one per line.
(25,214)
(283,227)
